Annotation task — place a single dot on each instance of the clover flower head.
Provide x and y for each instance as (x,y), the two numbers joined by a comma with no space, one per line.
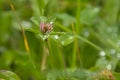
(46,27)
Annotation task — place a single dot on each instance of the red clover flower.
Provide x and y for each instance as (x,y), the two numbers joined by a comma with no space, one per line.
(46,27)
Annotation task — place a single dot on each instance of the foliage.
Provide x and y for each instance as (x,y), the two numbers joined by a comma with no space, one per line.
(7,75)
(82,42)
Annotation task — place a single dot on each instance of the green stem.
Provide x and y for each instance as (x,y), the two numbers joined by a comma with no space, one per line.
(95,46)
(60,55)
(87,41)
(62,27)
(44,57)
(106,42)
(41,6)
(50,51)
(78,24)
(74,55)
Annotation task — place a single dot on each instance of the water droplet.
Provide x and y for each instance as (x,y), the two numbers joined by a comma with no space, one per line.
(56,36)
(109,67)
(51,22)
(102,53)
(71,37)
(86,34)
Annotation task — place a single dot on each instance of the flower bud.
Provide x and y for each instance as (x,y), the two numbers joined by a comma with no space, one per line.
(45,27)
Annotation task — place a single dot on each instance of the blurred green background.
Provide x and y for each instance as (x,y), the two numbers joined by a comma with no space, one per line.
(96,47)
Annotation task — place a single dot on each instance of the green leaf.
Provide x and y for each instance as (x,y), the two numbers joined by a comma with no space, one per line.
(43,37)
(116,75)
(68,74)
(111,10)
(8,75)
(66,39)
(89,16)
(35,20)
(79,74)
(43,19)
(65,18)
(51,19)
(34,30)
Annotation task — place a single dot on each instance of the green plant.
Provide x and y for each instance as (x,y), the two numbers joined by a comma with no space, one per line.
(61,39)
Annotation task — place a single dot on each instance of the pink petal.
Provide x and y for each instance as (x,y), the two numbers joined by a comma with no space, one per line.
(42,26)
